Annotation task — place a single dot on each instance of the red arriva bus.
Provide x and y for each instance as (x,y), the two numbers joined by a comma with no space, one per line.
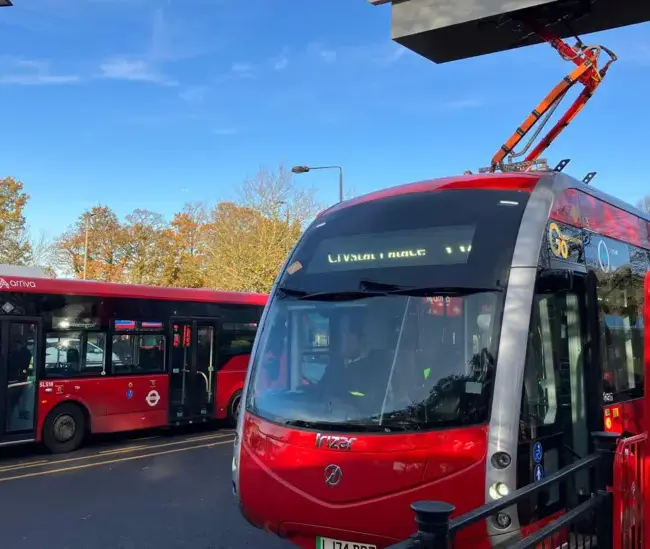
(445,340)
(80,357)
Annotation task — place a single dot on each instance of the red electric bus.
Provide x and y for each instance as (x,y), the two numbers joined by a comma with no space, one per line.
(80,357)
(445,340)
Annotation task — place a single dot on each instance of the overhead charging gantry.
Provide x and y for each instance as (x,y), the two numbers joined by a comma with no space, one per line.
(452,30)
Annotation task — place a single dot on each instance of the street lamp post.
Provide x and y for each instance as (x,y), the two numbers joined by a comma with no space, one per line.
(305,169)
(89,216)
(286,211)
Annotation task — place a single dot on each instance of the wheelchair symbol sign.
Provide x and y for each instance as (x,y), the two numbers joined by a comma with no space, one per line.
(538,452)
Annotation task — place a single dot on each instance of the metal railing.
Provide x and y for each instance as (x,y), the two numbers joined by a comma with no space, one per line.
(586,526)
(629,477)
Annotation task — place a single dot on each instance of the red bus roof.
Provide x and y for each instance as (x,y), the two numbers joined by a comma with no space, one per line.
(500,181)
(107,289)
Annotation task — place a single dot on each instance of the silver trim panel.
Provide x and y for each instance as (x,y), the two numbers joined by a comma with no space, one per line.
(508,383)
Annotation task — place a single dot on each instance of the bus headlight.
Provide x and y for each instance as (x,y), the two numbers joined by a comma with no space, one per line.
(499,490)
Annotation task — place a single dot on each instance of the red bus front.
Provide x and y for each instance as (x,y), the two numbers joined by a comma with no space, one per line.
(372,377)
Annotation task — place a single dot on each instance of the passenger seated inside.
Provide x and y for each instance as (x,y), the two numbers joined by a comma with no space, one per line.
(73,359)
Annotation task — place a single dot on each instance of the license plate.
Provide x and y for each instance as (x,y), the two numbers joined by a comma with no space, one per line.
(328,543)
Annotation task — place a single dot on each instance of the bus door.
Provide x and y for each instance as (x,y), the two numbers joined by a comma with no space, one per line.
(193,369)
(554,423)
(20,356)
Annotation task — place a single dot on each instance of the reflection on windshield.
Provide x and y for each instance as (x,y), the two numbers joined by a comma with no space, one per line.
(383,363)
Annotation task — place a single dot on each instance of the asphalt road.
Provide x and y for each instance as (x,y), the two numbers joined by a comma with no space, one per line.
(156,492)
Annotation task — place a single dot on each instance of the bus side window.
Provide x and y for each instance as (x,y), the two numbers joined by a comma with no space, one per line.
(65,355)
(94,361)
(138,347)
(235,341)
(138,354)
(553,411)
(621,334)
(552,399)
(539,397)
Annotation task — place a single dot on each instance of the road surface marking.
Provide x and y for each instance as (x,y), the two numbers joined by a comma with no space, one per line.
(31,464)
(44,463)
(122,450)
(111,461)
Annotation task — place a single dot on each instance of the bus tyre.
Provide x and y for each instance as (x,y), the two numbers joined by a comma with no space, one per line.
(233,408)
(64,429)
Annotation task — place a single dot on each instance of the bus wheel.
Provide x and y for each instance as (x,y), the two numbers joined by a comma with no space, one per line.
(64,429)
(233,408)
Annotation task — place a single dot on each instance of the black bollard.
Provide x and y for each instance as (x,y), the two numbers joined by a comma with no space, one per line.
(432,518)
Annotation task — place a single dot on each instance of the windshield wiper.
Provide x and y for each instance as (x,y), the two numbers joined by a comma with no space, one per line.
(341,426)
(328,296)
(291,292)
(423,291)
(372,286)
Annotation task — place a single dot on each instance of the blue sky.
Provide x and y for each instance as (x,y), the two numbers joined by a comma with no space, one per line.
(143,103)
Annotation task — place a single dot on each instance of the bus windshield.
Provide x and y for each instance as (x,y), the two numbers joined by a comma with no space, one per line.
(387,315)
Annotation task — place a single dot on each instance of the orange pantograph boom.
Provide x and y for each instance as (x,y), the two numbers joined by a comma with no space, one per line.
(586,72)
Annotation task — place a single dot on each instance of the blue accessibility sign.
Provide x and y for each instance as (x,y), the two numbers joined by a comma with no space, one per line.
(538,473)
(538,452)
(129,393)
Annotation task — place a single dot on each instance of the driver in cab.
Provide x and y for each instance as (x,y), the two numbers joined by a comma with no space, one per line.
(368,342)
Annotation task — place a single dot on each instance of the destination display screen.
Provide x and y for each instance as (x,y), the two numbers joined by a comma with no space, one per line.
(447,245)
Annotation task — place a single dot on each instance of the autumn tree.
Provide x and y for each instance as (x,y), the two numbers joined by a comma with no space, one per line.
(43,253)
(251,237)
(146,247)
(107,250)
(644,204)
(15,248)
(186,249)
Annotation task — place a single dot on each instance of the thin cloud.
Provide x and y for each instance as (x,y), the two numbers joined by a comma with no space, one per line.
(29,72)
(194,94)
(415,106)
(168,42)
(391,56)
(356,55)
(325,54)
(280,62)
(37,79)
(243,70)
(180,38)
(329,56)
(136,70)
